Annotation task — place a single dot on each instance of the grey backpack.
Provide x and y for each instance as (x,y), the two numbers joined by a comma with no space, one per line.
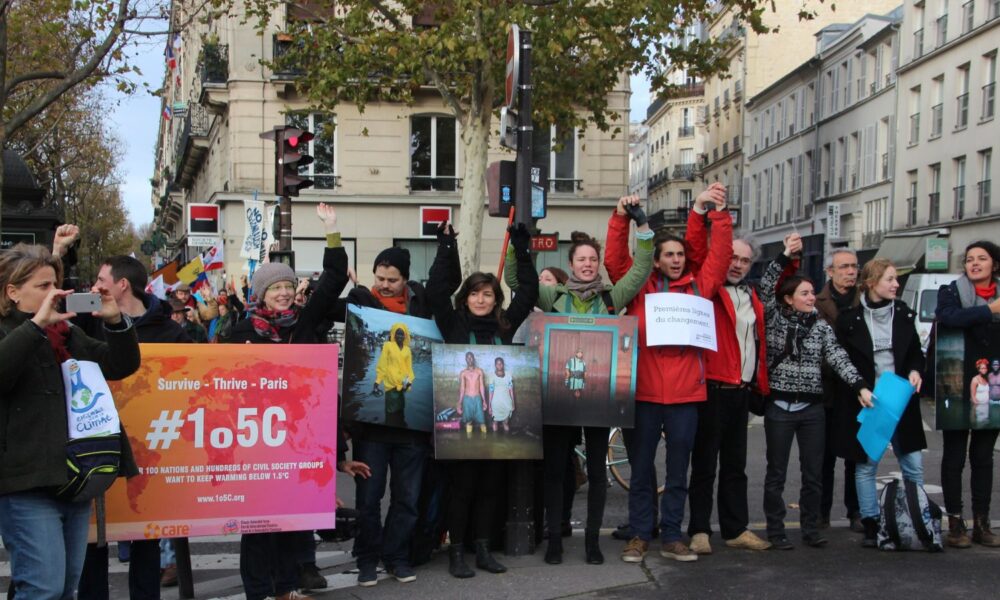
(908,519)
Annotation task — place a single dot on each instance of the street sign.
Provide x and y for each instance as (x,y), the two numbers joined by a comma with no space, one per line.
(546,242)
(833,220)
(10,238)
(513,65)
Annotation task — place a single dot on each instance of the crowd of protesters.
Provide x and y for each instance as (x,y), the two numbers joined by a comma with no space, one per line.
(806,360)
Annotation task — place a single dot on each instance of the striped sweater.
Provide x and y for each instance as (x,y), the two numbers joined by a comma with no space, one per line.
(796,376)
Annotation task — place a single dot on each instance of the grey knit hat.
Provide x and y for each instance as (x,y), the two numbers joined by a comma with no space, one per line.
(268,274)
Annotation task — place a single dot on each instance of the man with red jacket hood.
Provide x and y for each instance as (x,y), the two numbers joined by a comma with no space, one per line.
(670,380)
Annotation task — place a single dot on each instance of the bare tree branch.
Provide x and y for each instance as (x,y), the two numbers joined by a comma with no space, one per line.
(16,81)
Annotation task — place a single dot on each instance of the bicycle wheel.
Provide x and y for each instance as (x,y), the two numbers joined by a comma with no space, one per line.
(618,460)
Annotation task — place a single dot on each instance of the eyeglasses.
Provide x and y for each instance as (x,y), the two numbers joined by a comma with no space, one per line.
(281,287)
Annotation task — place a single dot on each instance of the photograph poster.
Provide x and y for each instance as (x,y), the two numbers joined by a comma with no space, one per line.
(387,369)
(588,368)
(967,378)
(487,402)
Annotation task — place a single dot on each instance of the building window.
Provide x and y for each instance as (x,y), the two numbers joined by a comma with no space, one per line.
(323,170)
(983,191)
(990,89)
(914,115)
(934,198)
(433,156)
(959,190)
(558,153)
(962,117)
(686,199)
(911,200)
(937,109)
(968,12)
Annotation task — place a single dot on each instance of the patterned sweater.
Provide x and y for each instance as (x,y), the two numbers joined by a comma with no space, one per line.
(795,376)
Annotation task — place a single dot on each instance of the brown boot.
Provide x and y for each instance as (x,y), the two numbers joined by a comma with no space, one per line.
(958,535)
(981,533)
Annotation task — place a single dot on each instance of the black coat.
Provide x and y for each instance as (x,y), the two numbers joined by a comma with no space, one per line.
(33,426)
(853,334)
(307,329)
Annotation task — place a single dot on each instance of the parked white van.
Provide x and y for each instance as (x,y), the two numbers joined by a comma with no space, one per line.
(921,294)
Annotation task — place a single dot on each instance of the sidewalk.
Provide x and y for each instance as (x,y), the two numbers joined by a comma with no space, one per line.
(528,577)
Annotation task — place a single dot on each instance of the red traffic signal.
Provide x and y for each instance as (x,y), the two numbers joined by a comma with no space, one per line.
(289,158)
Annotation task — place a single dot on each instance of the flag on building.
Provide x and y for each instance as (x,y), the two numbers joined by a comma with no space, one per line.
(171,57)
(167,112)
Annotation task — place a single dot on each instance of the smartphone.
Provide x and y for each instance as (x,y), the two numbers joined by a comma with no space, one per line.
(83,303)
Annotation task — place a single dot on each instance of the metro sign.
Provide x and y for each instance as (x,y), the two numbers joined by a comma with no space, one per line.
(546,242)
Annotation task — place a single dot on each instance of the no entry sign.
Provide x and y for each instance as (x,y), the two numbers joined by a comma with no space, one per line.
(513,65)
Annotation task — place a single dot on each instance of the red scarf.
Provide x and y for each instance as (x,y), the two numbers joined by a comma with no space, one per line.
(396,304)
(987,292)
(269,323)
(58,334)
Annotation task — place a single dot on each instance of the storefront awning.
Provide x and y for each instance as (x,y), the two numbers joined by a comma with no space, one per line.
(905,251)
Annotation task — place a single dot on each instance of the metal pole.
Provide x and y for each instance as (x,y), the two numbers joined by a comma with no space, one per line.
(285,224)
(520,525)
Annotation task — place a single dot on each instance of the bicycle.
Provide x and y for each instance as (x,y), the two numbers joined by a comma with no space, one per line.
(617,460)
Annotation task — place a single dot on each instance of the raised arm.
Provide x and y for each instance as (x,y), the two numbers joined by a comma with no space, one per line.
(524,299)
(617,258)
(334,278)
(696,236)
(712,275)
(441,283)
(774,272)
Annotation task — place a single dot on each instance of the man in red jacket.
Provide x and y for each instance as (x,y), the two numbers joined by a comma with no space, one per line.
(737,369)
(670,380)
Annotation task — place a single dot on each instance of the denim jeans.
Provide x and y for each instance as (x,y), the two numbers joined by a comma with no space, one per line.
(864,477)
(390,543)
(679,423)
(721,440)
(47,541)
(781,428)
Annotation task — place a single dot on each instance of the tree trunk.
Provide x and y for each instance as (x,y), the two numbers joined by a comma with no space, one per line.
(475,146)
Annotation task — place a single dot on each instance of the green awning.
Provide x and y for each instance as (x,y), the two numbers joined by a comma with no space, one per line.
(905,252)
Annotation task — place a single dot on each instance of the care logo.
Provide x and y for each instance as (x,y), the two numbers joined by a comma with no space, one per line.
(155,530)
(152,531)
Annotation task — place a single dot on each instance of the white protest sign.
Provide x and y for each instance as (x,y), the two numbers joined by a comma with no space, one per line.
(253,233)
(680,320)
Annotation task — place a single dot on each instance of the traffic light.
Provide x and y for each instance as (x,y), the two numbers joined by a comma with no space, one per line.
(289,155)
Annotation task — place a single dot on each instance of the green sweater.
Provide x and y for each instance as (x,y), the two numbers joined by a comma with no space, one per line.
(550,297)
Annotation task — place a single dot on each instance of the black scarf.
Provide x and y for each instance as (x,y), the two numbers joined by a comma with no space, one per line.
(845,300)
(484,328)
(799,326)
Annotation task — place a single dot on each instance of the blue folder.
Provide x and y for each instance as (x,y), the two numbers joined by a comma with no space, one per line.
(892,394)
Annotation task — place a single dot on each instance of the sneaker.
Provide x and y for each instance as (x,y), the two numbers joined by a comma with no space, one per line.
(780,542)
(635,550)
(402,573)
(814,540)
(747,540)
(677,551)
(367,576)
(294,595)
(310,578)
(700,545)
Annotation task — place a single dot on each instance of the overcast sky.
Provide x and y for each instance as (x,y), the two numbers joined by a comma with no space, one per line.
(135,118)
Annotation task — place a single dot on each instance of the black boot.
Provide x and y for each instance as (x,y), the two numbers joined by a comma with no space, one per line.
(456,563)
(871,532)
(485,560)
(553,553)
(592,549)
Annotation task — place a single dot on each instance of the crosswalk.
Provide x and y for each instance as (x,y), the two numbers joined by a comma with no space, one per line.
(215,566)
